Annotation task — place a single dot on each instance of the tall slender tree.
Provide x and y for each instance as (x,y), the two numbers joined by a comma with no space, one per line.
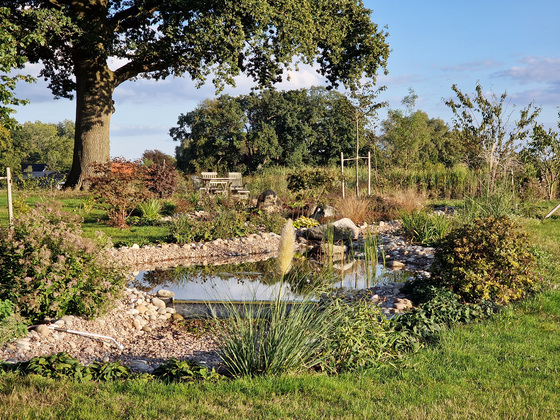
(199,38)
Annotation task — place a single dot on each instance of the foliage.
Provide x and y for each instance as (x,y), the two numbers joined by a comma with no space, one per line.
(108,371)
(501,203)
(160,178)
(174,370)
(51,144)
(120,185)
(488,260)
(543,151)
(437,309)
(48,269)
(425,228)
(272,339)
(12,325)
(483,127)
(151,209)
(362,338)
(224,224)
(10,42)
(305,222)
(60,365)
(285,128)
(270,221)
(318,180)
(410,139)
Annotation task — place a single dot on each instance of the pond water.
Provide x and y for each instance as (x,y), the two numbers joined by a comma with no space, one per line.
(255,281)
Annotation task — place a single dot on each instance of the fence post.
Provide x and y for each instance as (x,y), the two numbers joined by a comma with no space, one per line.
(342,171)
(8,177)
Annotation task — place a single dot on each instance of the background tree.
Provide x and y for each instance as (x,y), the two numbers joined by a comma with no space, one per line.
(211,136)
(490,138)
(406,138)
(287,128)
(543,152)
(158,38)
(50,144)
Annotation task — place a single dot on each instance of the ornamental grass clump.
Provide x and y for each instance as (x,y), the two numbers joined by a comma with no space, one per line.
(47,269)
(276,337)
(487,260)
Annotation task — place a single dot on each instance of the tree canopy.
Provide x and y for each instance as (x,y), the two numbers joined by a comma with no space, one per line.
(289,128)
(74,39)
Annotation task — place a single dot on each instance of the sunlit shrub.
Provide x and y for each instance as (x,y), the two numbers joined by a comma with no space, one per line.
(47,269)
(488,260)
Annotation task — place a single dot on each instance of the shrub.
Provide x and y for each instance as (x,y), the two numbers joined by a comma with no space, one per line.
(438,309)
(47,269)
(160,178)
(11,323)
(425,228)
(488,260)
(225,224)
(312,178)
(362,338)
(120,185)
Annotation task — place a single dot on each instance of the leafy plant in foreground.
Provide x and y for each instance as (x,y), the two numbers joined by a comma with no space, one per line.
(47,269)
(488,260)
(175,370)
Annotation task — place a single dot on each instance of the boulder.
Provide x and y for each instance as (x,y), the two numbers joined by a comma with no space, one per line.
(269,202)
(342,230)
(323,211)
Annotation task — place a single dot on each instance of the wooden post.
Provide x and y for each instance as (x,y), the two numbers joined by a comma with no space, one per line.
(342,171)
(8,177)
(357,160)
(368,173)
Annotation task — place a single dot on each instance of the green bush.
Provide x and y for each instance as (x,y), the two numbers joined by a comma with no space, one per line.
(225,224)
(438,309)
(12,325)
(488,260)
(47,269)
(362,338)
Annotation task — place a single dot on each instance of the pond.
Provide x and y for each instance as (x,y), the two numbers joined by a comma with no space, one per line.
(256,281)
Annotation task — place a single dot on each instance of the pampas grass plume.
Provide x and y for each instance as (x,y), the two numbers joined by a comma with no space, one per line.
(287,248)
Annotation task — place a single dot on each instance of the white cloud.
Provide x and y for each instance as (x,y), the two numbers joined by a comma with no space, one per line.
(534,69)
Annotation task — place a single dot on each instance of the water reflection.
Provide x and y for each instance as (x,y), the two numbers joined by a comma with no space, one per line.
(258,280)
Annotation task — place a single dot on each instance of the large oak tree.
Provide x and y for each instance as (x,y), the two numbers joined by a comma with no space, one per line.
(199,38)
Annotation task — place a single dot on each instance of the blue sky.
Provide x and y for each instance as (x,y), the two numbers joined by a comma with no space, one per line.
(507,46)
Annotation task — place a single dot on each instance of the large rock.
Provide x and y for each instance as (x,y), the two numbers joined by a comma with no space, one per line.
(342,230)
(269,202)
(323,211)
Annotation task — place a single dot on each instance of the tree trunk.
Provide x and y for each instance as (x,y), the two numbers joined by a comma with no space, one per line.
(94,107)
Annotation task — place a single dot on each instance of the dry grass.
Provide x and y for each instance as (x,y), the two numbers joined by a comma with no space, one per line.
(389,206)
(357,209)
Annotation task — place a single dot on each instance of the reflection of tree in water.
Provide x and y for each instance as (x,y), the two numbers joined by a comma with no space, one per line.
(304,278)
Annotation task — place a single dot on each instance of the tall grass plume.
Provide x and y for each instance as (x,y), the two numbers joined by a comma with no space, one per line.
(286,248)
